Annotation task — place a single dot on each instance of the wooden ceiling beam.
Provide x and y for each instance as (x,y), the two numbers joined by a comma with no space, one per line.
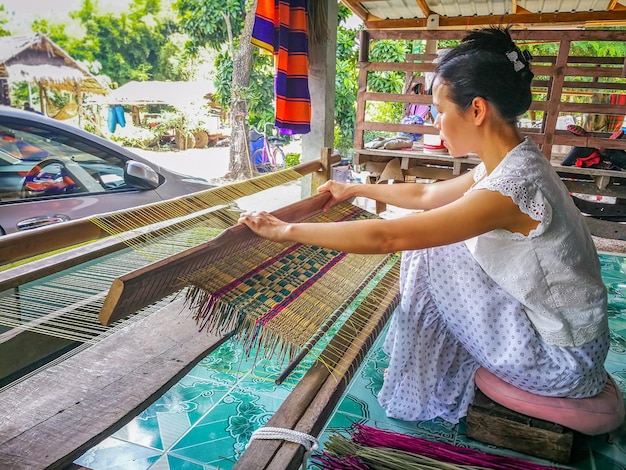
(358,10)
(570,18)
(424,7)
(518,34)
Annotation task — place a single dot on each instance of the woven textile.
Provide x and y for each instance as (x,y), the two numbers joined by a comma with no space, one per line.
(281,27)
(278,295)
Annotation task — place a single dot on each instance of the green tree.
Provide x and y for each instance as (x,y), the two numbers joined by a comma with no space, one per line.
(227,27)
(140,44)
(4,20)
(129,46)
(260,92)
(346,79)
(211,24)
(387,50)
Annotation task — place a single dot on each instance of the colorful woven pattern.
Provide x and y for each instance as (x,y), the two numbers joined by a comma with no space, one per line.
(281,27)
(278,295)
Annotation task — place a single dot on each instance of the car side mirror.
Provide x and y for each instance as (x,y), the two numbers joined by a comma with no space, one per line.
(141,176)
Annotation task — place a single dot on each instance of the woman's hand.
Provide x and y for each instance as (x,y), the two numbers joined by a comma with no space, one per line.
(338,192)
(265,225)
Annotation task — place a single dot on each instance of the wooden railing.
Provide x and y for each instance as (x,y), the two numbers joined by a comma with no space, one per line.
(565,84)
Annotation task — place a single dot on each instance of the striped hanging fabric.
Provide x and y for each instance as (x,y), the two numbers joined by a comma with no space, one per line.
(281,27)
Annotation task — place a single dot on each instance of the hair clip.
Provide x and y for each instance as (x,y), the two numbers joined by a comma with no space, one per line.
(514,57)
(519,58)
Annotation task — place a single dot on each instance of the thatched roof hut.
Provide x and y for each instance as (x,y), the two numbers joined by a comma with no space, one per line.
(35,58)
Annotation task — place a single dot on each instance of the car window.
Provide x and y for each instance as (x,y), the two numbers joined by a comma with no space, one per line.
(37,162)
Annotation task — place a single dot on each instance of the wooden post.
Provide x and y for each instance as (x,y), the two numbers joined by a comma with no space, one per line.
(325,173)
(5,95)
(432,44)
(43,96)
(79,104)
(556,88)
(359,131)
(134,112)
(322,68)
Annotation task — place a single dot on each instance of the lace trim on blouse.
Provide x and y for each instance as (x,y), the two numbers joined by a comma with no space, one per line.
(534,205)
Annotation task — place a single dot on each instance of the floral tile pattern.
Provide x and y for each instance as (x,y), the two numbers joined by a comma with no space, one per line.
(205,421)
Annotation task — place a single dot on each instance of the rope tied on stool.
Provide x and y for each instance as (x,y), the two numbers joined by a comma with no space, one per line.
(307,441)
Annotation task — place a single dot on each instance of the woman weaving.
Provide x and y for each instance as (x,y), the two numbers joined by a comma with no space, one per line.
(498,268)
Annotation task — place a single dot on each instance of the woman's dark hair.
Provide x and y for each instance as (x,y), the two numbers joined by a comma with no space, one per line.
(487,63)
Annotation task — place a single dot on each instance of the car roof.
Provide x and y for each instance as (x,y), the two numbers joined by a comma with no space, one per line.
(15,113)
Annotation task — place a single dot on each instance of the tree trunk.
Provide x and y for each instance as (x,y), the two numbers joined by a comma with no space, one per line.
(240,166)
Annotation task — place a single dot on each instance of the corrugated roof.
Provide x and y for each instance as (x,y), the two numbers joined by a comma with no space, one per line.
(379,14)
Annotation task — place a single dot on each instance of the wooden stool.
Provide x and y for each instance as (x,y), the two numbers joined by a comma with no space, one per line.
(494,424)
(544,427)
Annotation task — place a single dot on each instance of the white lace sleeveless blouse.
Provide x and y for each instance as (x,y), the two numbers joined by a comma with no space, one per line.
(554,271)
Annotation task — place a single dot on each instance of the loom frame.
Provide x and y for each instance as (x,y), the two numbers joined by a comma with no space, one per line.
(133,367)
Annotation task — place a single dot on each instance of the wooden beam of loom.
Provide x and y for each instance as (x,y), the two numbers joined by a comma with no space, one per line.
(310,404)
(22,245)
(40,268)
(144,286)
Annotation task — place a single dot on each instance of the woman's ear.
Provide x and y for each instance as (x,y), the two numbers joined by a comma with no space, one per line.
(479,108)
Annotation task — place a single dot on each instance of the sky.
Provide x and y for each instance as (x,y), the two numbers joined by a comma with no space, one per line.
(21,13)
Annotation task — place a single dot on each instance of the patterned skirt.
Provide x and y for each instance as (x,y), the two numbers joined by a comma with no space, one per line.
(452,319)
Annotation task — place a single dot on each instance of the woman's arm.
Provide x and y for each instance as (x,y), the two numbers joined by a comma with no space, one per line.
(414,196)
(473,214)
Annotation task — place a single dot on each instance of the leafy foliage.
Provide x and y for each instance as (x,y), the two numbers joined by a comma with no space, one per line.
(203,21)
(387,81)
(135,137)
(260,93)
(581,48)
(141,43)
(345,82)
(4,21)
(292,159)
(388,51)
(132,46)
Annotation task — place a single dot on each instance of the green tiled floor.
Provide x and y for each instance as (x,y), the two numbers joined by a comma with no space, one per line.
(206,419)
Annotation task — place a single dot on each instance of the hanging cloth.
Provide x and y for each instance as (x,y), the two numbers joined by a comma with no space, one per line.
(119,113)
(112,119)
(281,27)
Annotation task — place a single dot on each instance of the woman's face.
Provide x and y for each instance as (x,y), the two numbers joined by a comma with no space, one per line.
(456,128)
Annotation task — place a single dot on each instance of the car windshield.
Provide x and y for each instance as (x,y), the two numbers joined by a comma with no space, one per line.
(39,162)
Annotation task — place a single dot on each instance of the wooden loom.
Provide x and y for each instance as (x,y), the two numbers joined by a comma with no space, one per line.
(79,408)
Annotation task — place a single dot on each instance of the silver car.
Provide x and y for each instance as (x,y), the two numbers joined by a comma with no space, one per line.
(51,172)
